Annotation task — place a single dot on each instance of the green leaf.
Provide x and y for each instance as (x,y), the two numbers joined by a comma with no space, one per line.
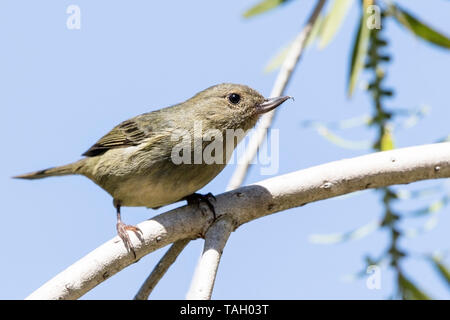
(339,141)
(419,28)
(314,31)
(278,59)
(436,206)
(410,290)
(276,62)
(262,7)
(359,51)
(442,269)
(333,20)
(345,236)
(387,140)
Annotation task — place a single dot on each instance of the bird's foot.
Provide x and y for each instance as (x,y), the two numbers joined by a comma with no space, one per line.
(197,199)
(122,229)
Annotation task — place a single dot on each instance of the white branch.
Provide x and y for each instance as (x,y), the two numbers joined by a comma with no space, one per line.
(286,70)
(245,204)
(205,273)
(160,269)
(257,139)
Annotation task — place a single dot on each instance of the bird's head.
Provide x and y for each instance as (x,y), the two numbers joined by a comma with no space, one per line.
(232,106)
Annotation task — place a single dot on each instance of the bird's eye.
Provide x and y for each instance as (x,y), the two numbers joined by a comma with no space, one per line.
(234,98)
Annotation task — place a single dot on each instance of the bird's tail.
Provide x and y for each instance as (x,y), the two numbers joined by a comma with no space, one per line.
(72,168)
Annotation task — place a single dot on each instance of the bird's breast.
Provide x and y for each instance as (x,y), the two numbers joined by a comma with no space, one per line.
(148,180)
(164,185)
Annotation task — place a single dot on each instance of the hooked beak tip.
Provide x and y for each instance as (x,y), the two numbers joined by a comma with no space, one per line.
(272,103)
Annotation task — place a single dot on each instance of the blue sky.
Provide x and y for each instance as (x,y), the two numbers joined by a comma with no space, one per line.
(63,89)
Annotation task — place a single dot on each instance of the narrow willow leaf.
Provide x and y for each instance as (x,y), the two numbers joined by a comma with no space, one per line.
(333,21)
(442,269)
(405,194)
(314,31)
(419,28)
(341,142)
(346,236)
(276,62)
(387,140)
(433,208)
(357,121)
(413,116)
(262,7)
(437,206)
(359,51)
(429,225)
(278,59)
(410,290)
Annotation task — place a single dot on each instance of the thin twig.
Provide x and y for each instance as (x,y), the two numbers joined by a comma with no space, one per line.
(295,52)
(205,274)
(160,269)
(251,202)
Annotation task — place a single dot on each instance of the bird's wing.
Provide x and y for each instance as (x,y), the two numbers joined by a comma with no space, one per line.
(128,133)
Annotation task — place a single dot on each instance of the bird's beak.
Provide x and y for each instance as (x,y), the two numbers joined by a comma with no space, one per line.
(271,103)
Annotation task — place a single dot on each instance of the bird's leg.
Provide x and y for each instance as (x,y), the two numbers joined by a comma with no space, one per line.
(197,198)
(122,230)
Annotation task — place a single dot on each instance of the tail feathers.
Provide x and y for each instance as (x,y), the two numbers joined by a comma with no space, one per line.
(72,168)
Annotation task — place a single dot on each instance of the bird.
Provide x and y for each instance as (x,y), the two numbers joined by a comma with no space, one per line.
(136,163)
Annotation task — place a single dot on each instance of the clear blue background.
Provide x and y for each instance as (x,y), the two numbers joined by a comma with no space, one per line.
(61,90)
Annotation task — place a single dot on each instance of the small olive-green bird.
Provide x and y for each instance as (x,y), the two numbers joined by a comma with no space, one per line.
(134,161)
